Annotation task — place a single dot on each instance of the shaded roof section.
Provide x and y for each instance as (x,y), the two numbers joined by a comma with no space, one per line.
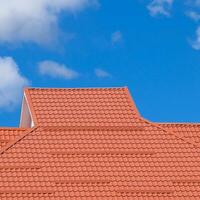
(8,135)
(188,131)
(83,107)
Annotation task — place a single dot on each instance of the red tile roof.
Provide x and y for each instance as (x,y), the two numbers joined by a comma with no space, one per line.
(96,146)
(190,132)
(8,135)
(83,107)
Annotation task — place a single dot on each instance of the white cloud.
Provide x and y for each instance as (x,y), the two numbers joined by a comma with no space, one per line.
(11,83)
(196,44)
(35,20)
(56,70)
(163,7)
(101,73)
(116,37)
(160,7)
(193,15)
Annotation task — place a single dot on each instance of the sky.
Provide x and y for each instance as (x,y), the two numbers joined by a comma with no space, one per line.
(151,46)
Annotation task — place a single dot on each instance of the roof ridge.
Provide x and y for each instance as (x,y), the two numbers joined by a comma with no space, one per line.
(178,123)
(74,88)
(13,128)
(154,124)
(171,132)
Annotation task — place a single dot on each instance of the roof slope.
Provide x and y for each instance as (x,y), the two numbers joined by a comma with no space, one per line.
(188,131)
(82,107)
(134,159)
(7,135)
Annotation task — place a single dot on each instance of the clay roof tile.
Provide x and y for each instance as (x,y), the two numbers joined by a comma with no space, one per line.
(93,144)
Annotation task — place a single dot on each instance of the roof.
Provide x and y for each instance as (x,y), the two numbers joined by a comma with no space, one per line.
(190,132)
(7,135)
(82,107)
(96,146)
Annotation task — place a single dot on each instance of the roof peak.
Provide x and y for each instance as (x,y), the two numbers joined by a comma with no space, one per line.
(73,88)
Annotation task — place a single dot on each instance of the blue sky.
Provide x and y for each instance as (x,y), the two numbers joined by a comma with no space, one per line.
(150,46)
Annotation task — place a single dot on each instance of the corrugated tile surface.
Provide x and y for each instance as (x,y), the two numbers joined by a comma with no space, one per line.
(9,134)
(83,107)
(99,164)
(140,161)
(190,132)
